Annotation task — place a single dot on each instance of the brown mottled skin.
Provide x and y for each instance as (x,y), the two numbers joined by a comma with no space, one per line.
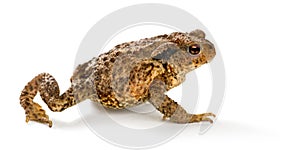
(129,74)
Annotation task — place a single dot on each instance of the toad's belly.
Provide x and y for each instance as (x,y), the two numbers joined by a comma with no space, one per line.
(118,103)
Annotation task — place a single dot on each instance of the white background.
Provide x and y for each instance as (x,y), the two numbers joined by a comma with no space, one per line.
(259,42)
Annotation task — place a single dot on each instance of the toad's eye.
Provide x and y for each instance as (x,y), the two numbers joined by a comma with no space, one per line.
(194,49)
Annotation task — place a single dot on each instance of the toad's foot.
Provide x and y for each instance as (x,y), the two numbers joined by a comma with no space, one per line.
(48,88)
(202,117)
(182,117)
(36,113)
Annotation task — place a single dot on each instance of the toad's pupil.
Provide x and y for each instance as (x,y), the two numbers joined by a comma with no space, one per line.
(194,49)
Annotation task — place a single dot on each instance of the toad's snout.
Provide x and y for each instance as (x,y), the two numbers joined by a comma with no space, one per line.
(208,51)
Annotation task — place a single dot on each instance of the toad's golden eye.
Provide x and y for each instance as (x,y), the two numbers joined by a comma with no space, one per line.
(194,49)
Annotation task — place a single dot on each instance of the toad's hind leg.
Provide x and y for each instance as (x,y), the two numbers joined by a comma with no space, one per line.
(48,88)
(171,109)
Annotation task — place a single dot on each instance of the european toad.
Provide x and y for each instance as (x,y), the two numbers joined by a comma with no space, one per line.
(129,74)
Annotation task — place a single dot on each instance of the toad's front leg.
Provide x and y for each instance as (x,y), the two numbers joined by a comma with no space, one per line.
(171,109)
(49,91)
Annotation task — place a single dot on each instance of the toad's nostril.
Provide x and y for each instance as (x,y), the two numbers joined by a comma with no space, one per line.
(210,46)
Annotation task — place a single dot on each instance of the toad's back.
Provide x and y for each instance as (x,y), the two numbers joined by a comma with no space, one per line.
(117,74)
